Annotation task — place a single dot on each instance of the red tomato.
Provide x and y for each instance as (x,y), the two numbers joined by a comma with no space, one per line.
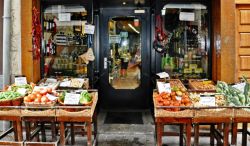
(32,97)
(38,95)
(37,100)
(43,92)
(49,90)
(44,99)
(26,99)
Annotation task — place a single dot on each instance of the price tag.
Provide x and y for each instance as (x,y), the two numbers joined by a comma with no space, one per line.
(89,29)
(20,81)
(163,75)
(163,87)
(64,16)
(22,91)
(207,100)
(65,84)
(71,98)
(51,97)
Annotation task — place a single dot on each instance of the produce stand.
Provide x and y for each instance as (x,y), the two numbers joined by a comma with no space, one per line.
(68,114)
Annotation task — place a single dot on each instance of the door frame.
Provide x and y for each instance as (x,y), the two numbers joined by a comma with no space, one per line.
(144,91)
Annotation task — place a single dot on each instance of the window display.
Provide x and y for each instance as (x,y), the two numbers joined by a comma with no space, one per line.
(64,40)
(182,34)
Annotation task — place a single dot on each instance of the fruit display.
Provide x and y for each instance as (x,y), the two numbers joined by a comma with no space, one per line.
(41,96)
(175,98)
(85,98)
(74,83)
(175,83)
(220,99)
(9,95)
(49,83)
(202,85)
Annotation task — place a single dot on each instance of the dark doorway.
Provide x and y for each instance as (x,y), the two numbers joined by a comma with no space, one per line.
(124,58)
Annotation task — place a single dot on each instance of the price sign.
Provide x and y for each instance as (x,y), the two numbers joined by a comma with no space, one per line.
(51,97)
(22,91)
(64,16)
(89,29)
(71,98)
(207,100)
(163,87)
(186,16)
(20,81)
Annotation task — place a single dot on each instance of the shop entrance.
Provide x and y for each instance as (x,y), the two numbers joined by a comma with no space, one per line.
(124,58)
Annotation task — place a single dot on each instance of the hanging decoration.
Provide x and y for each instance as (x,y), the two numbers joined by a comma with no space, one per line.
(36,33)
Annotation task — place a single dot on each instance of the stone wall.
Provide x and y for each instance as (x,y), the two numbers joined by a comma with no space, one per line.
(15,38)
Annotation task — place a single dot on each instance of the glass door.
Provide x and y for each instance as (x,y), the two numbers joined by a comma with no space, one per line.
(125,62)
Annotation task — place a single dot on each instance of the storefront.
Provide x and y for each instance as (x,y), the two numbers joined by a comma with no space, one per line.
(199,48)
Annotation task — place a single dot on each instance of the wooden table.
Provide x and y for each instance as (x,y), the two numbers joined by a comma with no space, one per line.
(12,114)
(240,116)
(213,117)
(84,114)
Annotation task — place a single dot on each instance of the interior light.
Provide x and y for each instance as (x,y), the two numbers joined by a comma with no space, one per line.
(124,3)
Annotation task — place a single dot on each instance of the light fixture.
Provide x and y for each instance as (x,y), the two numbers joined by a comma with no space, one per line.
(132,27)
(124,3)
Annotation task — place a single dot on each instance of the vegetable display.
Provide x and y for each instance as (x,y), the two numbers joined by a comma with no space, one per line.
(85,98)
(41,96)
(22,89)
(9,95)
(235,97)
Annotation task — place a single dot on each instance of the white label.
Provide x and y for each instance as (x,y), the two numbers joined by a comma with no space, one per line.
(186,16)
(163,87)
(64,16)
(20,81)
(65,84)
(139,11)
(163,75)
(207,100)
(51,97)
(50,80)
(114,39)
(71,98)
(178,98)
(240,86)
(89,29)
(22,91)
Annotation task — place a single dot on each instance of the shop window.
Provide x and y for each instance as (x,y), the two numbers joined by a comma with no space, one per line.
(183,37)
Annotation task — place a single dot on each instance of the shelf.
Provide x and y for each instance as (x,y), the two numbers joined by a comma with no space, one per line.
(72,45)
(71,23)
(64,9)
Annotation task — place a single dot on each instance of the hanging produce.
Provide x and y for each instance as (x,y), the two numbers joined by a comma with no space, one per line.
(36,33)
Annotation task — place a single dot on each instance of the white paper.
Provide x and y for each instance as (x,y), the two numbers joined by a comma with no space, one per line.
(163,75)
(186,16)
(240,86)
(89,29)
(20,81)
(207,100)
(65,84)
(64,16)
(163,87)
(51,97)
(50,80)
(71,98)
(22,91)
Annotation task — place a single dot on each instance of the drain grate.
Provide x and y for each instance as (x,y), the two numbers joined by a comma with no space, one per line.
(123,118)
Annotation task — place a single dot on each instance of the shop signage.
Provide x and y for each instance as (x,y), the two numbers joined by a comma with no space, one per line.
(20,81)
(71,98)
(186,16)
(64,17)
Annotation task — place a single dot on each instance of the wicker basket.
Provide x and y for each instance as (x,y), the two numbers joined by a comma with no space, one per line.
(198,88)
(213,113)
(238,113)
(5,102)
(17,102)
(75,113)
(10,112)
(178,114)
(38,112)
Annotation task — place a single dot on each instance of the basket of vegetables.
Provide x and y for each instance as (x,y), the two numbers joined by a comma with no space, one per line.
(9,98)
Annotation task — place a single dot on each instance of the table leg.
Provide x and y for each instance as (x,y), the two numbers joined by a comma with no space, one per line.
(27,129)
(95,128)
(89,133)
(72,133)
(226,134)
(19,130)
(196,134)
(181,134)
(53,130)
(234,133)
(159,130)
(188,134)
(14,124)
(43,132)
(212,132)
(62,134)
(244,134)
